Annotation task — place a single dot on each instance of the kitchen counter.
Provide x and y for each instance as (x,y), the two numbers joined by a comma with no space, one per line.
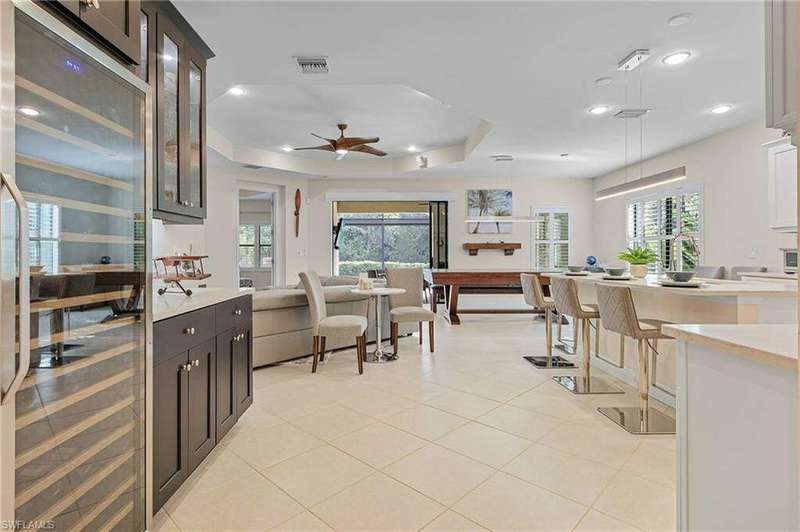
(737,426)
(710,287)
(774,344)
(172,304)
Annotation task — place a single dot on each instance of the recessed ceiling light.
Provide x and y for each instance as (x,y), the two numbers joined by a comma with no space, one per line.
(287,148)
(598,109)
(676,58)
(412,149)
(679,20)
(341,152)
(28,111)
(602,82)
(236,91)
(721,109)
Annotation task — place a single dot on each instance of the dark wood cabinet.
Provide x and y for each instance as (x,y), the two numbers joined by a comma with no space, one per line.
(171,424)
(203,383)
(226,387)
(114,22)
(243,373)
(177,70)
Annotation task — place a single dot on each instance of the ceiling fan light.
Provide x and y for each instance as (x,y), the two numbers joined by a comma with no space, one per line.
(341,152)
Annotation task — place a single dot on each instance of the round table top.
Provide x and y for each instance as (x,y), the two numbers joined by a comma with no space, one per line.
(379,291)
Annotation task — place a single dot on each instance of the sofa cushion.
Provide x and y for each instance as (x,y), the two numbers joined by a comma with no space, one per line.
(296,297)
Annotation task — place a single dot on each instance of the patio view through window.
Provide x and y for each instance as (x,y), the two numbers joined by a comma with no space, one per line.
(380,240)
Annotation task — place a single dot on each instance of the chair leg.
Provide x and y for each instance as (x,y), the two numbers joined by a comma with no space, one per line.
(420,333)
(322,349)
(430,334)
(395,333)
(644,384)
(362,353)
(314,349)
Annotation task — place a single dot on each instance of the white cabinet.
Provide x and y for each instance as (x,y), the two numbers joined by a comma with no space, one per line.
(781,63)
(782,161)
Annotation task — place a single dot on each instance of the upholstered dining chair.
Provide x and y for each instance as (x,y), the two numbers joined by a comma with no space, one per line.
(324,326)
(407,307)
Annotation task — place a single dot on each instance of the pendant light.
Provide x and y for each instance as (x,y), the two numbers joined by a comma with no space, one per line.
(642,182)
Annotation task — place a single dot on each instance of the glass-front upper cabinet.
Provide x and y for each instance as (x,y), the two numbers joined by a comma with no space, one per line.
(180,185)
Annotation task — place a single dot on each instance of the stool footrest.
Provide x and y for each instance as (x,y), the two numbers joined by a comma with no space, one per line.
(542,362)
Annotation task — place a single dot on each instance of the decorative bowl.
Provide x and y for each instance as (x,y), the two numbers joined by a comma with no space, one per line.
(576,269)
(681,277)
(615,272)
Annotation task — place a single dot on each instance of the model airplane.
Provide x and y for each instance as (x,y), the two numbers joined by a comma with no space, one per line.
(186,268)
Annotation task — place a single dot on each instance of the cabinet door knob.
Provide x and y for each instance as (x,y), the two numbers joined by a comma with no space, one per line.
(189,331)
(186,367)
(191,204)
(238,312)
(196,363)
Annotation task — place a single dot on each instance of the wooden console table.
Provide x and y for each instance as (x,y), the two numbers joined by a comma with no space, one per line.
(456,282)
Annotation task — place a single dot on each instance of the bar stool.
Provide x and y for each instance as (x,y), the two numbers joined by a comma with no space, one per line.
(534,296)
(619,315)
(565,296)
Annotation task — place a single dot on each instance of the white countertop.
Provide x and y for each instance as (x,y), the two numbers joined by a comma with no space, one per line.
(771,275)
(768,343)
(171,304)
(710,287)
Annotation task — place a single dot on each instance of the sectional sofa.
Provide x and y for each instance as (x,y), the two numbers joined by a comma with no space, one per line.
(282,323)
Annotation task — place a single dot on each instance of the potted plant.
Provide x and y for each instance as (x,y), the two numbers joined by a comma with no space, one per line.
(638,258)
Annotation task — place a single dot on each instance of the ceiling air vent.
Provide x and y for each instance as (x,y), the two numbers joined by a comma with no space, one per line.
(631,113)
(502,158)
(313,65)
(252,166)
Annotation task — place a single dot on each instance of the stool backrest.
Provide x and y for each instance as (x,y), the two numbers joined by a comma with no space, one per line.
(532,290)
(617,310)
(565,296)
(411,280)
(316,298)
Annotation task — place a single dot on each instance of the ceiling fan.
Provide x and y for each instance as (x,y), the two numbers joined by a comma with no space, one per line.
(343,145)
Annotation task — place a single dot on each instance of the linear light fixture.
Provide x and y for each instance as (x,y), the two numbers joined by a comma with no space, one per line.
(643,183)
(503,219)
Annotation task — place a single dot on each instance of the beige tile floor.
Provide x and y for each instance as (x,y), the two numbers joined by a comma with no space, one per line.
(469,438)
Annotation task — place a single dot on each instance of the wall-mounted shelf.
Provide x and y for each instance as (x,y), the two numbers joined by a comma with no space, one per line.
(507,247)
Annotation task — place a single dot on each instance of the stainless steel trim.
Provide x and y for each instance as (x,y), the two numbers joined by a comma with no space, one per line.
(24,290)
(81,43)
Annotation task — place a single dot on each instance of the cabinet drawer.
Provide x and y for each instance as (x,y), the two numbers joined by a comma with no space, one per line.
(183,332)
(236,313)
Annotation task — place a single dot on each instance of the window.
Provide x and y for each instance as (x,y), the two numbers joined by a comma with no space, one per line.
(372,241)
(552,239)
(255,246)
(44,222)
(654,222)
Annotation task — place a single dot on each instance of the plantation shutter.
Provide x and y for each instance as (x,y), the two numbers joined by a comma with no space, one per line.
(552,240)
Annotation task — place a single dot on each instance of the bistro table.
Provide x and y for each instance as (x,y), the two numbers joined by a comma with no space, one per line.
(379,355)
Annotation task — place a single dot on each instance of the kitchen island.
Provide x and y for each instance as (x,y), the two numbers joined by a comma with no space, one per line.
(716,301)
(737,426)
(202,378)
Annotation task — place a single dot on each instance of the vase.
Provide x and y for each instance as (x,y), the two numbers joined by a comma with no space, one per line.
(639,271)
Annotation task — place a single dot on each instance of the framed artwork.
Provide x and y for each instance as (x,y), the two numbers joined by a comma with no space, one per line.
(489,202)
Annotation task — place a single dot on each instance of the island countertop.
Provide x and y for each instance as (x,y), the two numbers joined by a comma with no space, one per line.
(170,304)
(774,344)
(710,287)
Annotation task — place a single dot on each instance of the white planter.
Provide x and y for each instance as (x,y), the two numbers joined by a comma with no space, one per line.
(639,271)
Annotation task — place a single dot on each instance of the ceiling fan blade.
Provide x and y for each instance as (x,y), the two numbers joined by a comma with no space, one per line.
(331,141)
(324,147)
(369,149)
(349,142)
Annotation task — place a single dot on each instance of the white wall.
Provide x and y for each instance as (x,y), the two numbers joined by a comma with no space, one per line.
(574,195)
(217,238)
(732,169)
